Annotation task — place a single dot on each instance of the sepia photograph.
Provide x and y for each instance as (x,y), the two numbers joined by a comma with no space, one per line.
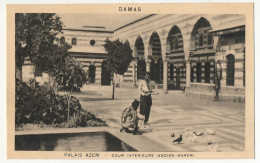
(130,82)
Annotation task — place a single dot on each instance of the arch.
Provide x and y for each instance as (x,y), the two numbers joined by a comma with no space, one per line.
(74,41)
(154,48)
(230,70)
(62,40)
(200,34)
(92,73)
(155,51)
(139,49)
(174,39)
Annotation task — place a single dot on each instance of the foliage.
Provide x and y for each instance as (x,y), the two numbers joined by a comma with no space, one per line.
(42,105)
(35,36)
(71,76)
(84,118)
(119,56)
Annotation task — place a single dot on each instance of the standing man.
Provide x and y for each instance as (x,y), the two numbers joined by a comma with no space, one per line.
(145,90)
(218,77)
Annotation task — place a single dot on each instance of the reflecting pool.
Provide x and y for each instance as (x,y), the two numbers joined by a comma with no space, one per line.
(81,142)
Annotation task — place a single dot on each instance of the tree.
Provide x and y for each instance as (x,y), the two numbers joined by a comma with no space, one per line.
(119,58)
(70,77)
(35,36)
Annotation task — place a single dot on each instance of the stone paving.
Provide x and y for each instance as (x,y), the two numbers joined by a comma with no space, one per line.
(172,112)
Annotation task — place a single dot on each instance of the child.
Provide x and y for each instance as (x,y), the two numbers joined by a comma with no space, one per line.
(130,118)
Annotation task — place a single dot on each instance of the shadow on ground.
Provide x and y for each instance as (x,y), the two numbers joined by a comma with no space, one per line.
(93,99)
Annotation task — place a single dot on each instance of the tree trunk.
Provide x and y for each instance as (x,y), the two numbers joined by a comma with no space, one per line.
(113,93)
(113,84)
(52,83)
(68,99)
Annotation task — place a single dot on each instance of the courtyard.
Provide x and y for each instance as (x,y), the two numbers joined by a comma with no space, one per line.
(171,113)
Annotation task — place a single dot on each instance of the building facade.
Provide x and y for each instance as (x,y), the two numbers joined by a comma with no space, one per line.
(179,51)
(87,48)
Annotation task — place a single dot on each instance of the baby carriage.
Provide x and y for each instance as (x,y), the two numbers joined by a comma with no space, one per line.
(130,118)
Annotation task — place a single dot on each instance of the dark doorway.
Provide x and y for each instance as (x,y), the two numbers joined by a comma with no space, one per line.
(105,74)
(207,72)
(230,81)
(156,70)
(92,73)
(198,72)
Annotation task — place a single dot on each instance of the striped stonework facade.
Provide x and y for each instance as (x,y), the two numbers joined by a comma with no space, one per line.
(188,47)
(180,51)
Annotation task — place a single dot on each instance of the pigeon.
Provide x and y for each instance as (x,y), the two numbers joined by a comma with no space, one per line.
(178,140)
(172,135)
(210,131)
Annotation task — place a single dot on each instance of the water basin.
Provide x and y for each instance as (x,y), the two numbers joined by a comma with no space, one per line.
(80,142)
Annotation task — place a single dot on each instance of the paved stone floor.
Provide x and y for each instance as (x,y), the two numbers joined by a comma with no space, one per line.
(172,112)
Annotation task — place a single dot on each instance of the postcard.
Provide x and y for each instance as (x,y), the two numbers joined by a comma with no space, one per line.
(130,81)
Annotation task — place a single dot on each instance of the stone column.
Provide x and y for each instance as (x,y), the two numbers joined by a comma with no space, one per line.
(148,65)
(187,74)
(134,72)
(165,75)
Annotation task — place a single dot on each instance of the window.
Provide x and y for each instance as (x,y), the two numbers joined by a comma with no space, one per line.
(171,72)
(201,40)
(62,40)
(161,69)
(198,72)
(191,74)
(230,70)
(92,42)
(74,41)
(209,39)
(207,72)
(176,43)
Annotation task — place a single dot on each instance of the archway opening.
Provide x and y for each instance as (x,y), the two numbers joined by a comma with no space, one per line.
(139,54)
(201,42)
(174,50)
(200,35)
(174,40)
(156,69)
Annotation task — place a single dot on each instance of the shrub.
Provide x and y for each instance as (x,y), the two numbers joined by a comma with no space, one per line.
(84,118)
(42,105)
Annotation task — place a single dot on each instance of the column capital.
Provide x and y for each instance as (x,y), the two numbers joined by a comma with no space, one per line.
(149,59)
(166,60)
